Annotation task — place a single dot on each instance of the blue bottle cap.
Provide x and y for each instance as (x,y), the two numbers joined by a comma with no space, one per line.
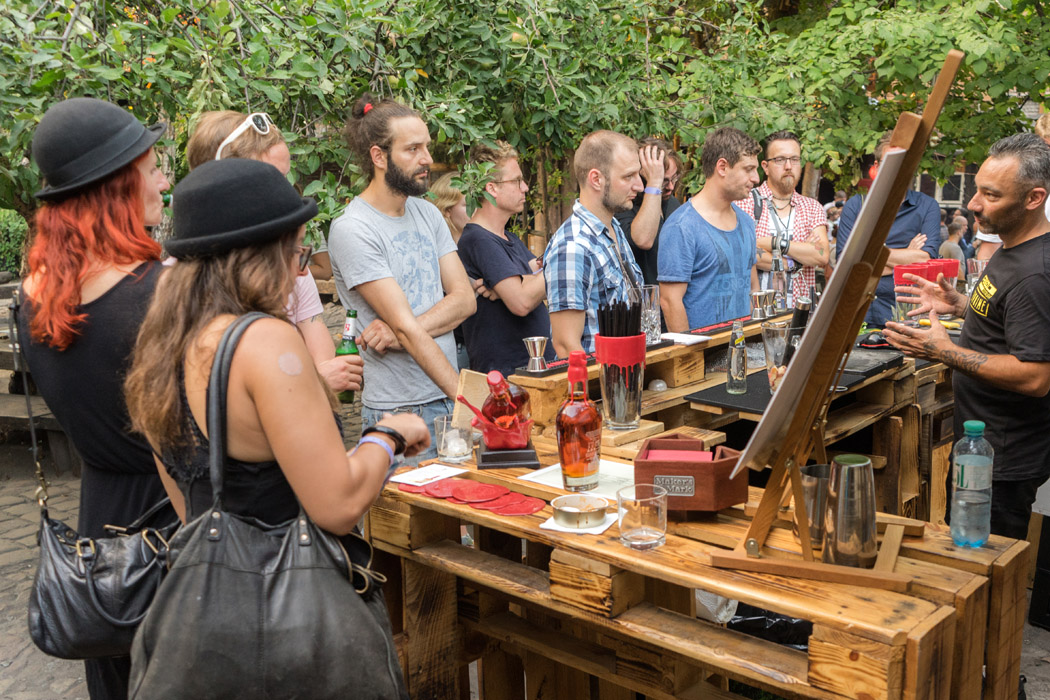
(974,427)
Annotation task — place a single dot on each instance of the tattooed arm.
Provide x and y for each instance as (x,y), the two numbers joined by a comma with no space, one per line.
(1003,371)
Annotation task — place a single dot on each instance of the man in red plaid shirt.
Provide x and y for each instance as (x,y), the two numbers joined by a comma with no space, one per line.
(797,225)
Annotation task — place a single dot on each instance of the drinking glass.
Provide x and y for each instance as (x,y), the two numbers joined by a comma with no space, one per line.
(974,270)
(642,515)
(648,297)
(453,442)
(776,335)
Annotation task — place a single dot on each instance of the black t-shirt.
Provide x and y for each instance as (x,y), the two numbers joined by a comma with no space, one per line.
(494,334)
(84,388)
(646,259)
(1009,314)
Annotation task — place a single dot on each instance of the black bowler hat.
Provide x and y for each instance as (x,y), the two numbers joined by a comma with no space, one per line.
(83,140)
(233,203)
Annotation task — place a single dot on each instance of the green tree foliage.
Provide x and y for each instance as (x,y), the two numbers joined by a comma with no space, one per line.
(536,73)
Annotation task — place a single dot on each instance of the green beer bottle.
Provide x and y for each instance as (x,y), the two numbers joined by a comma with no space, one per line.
(347,346)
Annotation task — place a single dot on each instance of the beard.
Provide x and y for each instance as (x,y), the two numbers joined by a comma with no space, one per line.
(405,184)
(786,184)
(612,205)
(1009,220)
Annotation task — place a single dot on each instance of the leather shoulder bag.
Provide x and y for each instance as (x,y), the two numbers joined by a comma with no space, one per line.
(256,611)
(89,595)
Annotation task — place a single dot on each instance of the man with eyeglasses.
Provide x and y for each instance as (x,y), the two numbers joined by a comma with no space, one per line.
(661,170)
(492,253)
(795,225)
(588,261)
(395,262)
(914,237)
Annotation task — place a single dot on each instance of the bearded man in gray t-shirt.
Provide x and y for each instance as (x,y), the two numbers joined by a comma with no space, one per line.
(394,260)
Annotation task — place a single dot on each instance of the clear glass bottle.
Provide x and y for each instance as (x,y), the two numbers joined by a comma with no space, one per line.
(972,487)
(778,282)
(348,346)
(736,381)
(579,425)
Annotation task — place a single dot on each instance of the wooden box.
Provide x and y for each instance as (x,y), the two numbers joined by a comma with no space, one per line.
(692,485)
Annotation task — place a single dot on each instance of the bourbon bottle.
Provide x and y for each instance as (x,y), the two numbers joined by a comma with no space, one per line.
(505,401)
(579,426)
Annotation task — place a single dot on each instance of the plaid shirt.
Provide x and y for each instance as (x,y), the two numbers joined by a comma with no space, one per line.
(582,269)
(806,215)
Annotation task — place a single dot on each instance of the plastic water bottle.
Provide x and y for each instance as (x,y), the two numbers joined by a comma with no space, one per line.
(972,487)
(736,382)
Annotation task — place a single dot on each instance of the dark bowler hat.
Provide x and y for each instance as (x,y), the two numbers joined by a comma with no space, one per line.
(83,140)
(233,203)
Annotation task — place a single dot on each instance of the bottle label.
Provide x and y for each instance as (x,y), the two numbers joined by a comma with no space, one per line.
(348,327)
(973,472)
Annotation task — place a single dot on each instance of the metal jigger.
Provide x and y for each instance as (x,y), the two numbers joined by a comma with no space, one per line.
(536,345)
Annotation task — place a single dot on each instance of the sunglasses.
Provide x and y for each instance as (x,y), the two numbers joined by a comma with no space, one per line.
(305,252)
(260,121)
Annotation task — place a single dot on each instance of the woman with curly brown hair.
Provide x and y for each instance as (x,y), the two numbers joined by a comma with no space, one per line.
(92,270)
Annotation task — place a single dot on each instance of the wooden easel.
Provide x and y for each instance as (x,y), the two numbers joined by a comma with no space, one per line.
(912,133)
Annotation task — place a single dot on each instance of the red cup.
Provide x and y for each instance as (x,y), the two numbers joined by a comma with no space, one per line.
(950,268)
(918,269)
(625,351)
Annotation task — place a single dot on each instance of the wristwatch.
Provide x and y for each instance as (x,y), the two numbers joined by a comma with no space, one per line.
(399,440)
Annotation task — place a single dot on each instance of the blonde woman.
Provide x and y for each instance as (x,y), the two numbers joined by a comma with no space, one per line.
(229,134)
(451,203)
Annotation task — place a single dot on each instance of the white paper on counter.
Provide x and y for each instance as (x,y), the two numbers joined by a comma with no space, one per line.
(685,338)
(612,476)
(426,475)
(598,529)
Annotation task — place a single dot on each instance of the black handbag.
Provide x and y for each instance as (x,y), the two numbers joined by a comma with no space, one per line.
(89,595)
(250,610)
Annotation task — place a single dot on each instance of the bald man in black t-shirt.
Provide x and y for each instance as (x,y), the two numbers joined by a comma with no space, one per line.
(1002,360)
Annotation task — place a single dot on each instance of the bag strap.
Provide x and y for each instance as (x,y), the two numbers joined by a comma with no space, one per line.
(759,205)
(21,366)
(218,382)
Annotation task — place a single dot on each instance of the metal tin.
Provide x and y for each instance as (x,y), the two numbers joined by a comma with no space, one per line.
(579,510)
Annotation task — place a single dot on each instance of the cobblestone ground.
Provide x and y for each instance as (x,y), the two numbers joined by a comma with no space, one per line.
(25,672)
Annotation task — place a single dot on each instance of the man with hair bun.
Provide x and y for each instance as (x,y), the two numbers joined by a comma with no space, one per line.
(588,261)
(707,247)
(395,262)
(498,257)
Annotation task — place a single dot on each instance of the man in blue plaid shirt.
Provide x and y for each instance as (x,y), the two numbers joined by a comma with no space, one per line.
(588,261)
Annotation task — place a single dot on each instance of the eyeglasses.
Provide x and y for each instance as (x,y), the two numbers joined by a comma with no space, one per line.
(305,251)
(780,160)
(670,182)
(517,181)
(260,121)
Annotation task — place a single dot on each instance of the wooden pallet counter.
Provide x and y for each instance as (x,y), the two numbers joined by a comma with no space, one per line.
(555,615)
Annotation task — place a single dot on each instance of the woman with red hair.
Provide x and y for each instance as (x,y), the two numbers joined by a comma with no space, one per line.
(92,270)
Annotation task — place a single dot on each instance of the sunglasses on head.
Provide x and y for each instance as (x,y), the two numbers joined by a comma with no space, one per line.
(260,121)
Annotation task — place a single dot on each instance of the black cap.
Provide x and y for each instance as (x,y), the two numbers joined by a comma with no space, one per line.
(233,203)
(83,140)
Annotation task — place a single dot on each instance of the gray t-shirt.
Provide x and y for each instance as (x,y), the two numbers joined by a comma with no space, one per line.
(366,245)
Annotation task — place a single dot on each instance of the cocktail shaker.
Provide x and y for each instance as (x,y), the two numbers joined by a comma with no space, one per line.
(850,519)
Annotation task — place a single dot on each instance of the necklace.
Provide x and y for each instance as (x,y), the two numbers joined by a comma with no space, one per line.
(783,199)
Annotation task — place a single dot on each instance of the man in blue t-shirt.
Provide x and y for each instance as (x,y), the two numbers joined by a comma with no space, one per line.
(494,333)
(708,246)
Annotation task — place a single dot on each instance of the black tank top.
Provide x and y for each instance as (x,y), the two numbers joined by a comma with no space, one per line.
(84,388)
(250,489)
